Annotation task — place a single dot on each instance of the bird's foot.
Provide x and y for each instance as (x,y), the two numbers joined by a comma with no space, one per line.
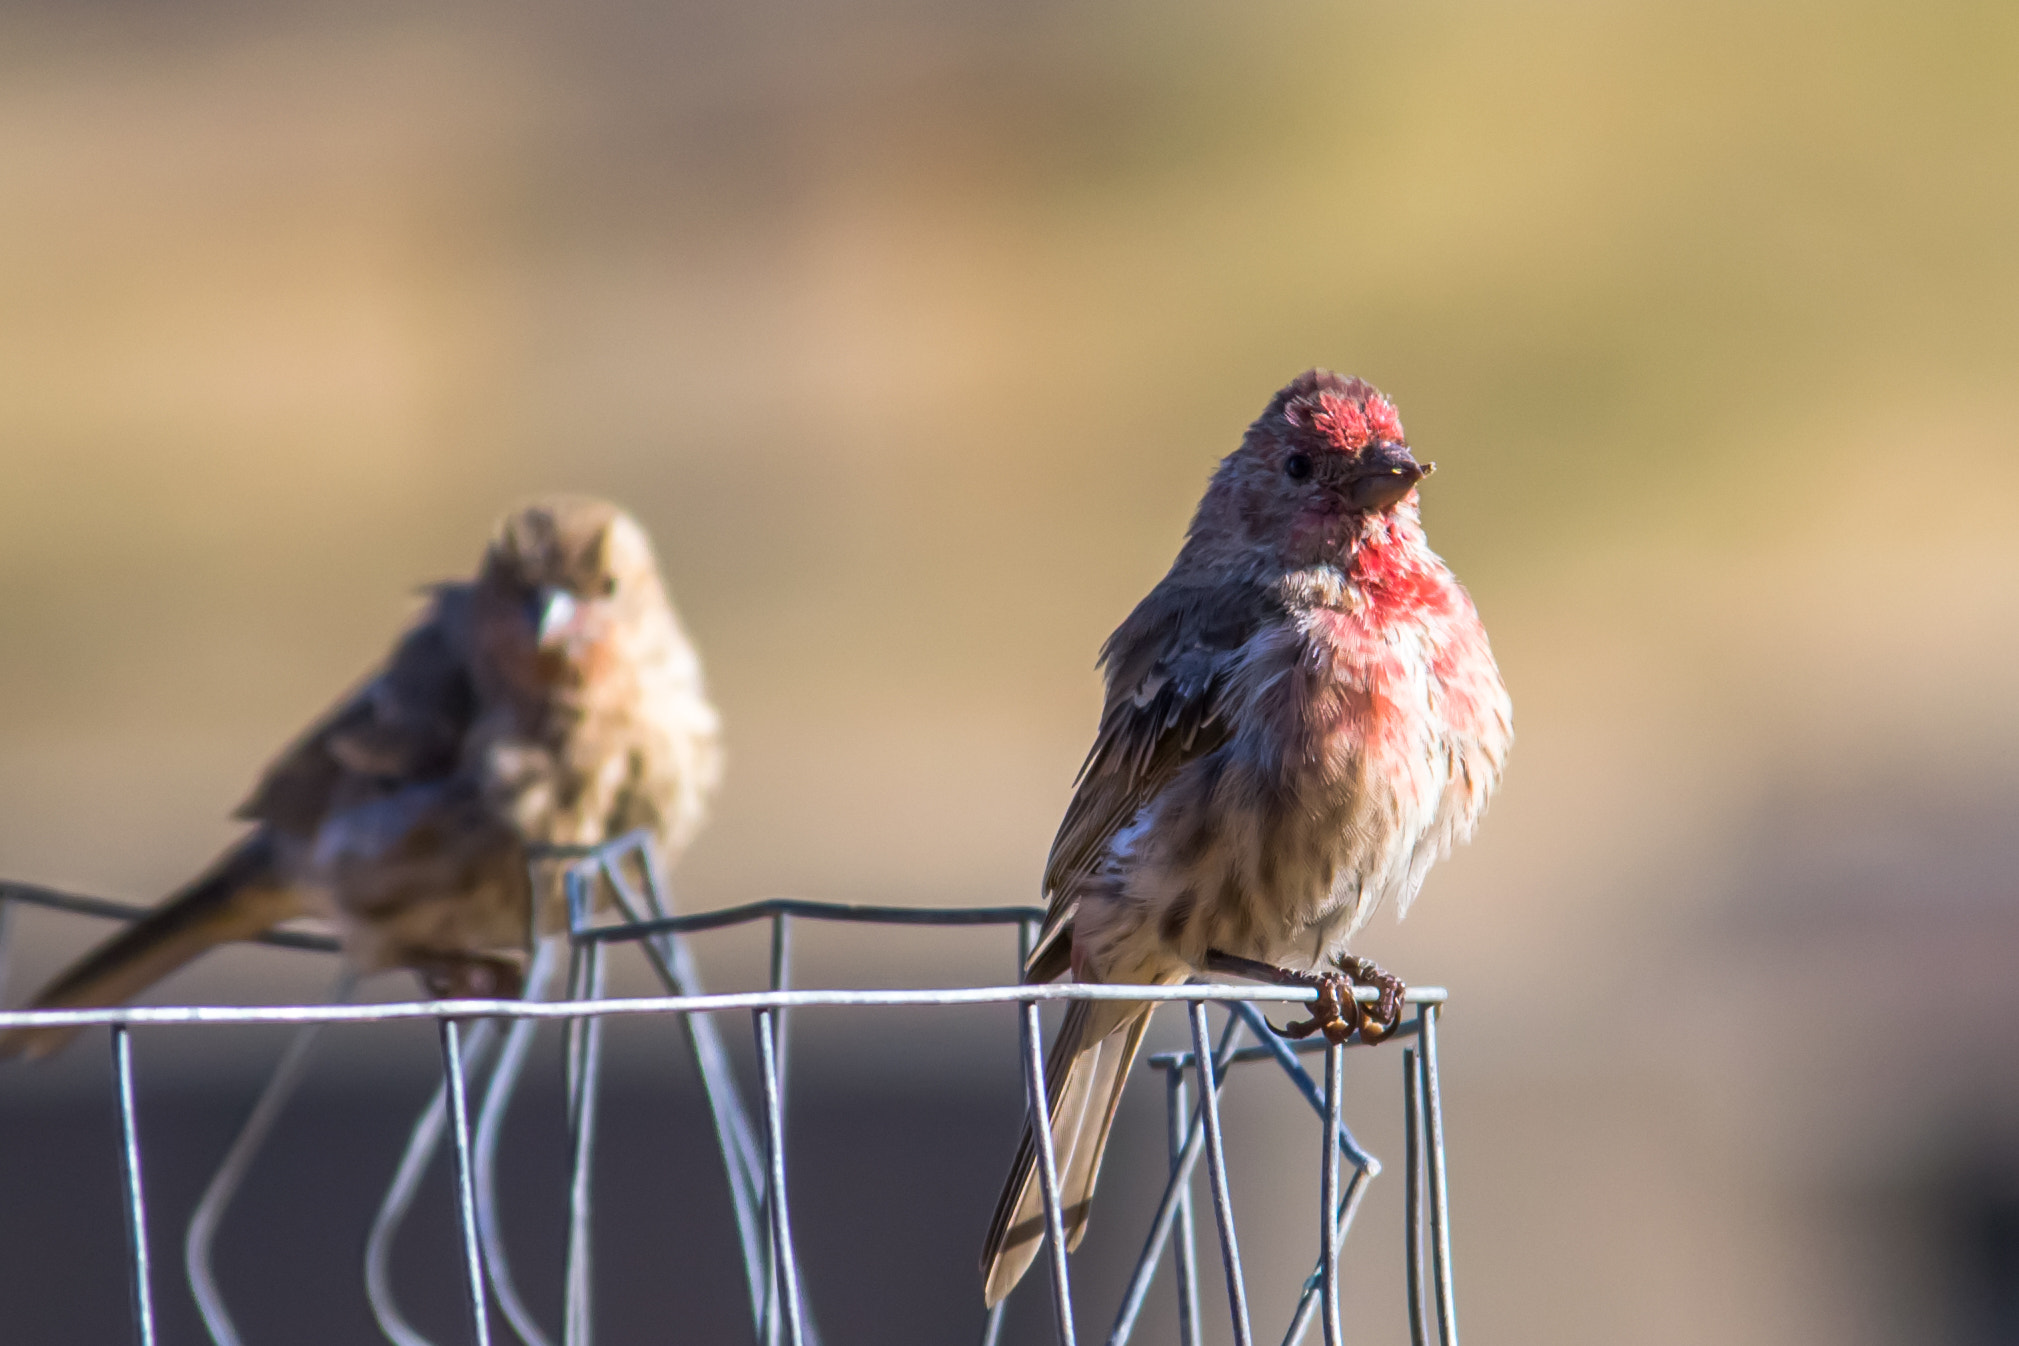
(1386,1012)
(1337,1014)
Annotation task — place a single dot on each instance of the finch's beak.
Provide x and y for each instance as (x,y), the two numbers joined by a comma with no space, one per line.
(1382,474)
(557,611)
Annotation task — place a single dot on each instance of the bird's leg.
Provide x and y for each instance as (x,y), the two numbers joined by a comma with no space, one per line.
(1336,1016)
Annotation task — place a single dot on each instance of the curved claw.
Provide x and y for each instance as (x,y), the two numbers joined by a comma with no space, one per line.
(1374,1030)
(1335,997)
(1386,1013)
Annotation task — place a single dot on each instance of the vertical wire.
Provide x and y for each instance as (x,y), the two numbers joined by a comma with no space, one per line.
(499,1089)
(1328,1207)
(584,1059)
(1167,1209)
(674,962)
(1048,1168)
(199,1240)
(136,1197)
(991,1327)
(781,1219)
(781,979)
(1286,1057)
(1185,1247)
(672,958)
(466,1193)
(1365,1166)
(1216,1167)
(1308,1299)
(1440,1201)
(399,1199)
(1412,1191)
(781,972)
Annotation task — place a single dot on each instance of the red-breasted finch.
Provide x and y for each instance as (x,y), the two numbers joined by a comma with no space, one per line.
(1300,719)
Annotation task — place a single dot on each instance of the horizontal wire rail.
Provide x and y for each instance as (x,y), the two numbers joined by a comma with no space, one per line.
(135,1016)
(470,1106)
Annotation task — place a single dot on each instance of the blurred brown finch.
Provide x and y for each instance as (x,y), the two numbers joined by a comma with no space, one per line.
(555,700)
(1301,718)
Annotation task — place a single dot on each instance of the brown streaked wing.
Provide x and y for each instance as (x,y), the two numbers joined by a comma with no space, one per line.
(405,724)
(1168,666)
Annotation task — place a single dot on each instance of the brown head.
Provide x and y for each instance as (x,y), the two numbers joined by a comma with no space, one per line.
(568,596)
(1326,457)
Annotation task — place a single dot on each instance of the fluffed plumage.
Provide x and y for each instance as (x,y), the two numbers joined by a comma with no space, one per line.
(1300,719)
(554,699)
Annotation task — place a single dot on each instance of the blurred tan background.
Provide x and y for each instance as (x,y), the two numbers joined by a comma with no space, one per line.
(912,331)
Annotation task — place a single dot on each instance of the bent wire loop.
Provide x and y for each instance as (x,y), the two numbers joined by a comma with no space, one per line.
(616,895)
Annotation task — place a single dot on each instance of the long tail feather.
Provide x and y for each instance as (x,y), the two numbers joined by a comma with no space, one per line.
(240,896)
(1084,1076)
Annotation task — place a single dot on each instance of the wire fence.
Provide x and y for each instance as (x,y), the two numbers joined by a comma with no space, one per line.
(615,896)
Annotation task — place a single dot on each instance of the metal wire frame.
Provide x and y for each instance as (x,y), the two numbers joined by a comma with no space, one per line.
(136,1194)
(1320,1292)
(778,1310)
(500,1084)
(224,1183)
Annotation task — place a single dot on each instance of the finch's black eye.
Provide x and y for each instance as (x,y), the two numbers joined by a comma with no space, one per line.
(1297,466)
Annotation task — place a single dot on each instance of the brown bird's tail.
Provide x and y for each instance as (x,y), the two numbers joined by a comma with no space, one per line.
(241,896)
(1084,1075)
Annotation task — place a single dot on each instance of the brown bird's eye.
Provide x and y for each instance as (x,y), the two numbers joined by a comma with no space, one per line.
(609,585)
(1297,466)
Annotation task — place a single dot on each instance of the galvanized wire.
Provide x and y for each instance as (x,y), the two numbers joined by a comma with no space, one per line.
(1216,1171)
(466,1188)
(1328,1192)
(778,1208)
(1311,1300)
(422,1142)
(394,1011)
(1412,1190)
(136,1192)
(499,1088)
(1185,1258)
(1433,1165)
(670,956)
(273,1099)
(1176,1191)
(1274,1047)
(1048,1170)
(755,1155)
(584,1051)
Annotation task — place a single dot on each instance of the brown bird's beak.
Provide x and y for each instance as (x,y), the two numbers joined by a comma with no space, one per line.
(1382,474)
